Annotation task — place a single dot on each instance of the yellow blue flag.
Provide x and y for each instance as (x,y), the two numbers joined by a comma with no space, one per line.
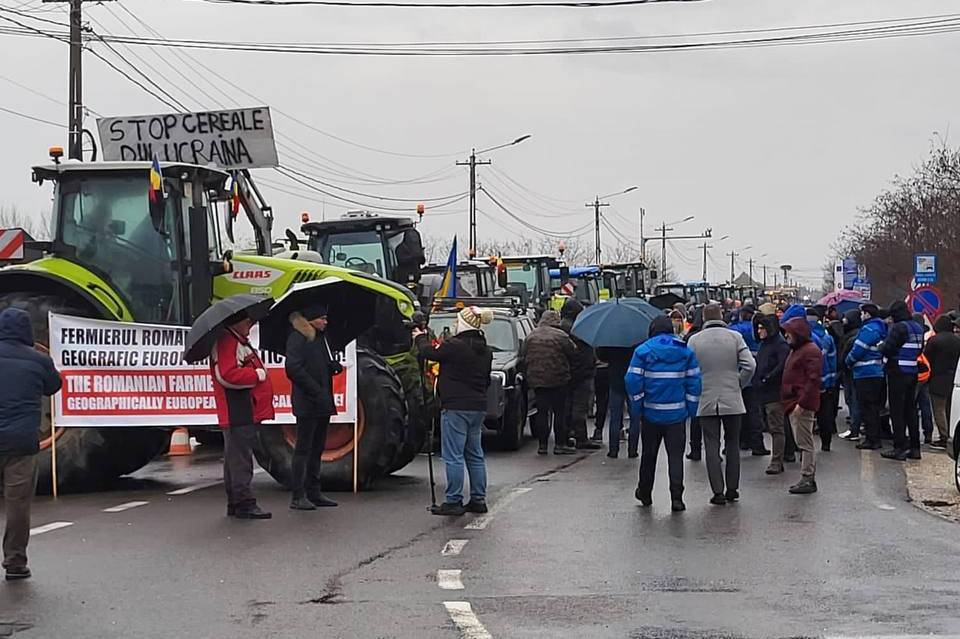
(448,287)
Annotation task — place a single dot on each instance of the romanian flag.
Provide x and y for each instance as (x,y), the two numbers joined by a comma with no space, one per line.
(448,287)
(234,197)
(156,193)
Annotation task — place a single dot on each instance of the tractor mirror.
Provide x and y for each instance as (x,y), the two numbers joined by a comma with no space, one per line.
(502,279)
(340,257)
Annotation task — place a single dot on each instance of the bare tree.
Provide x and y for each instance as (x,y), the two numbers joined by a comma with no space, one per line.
(37,225)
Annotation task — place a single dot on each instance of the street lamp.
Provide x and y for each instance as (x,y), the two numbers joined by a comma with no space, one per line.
(596,204)
(472,162)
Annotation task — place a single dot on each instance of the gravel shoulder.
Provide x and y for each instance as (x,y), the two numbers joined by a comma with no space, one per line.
(931,485)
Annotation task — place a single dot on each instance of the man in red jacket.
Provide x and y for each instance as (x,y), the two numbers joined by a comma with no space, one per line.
(800,394)
(244,398)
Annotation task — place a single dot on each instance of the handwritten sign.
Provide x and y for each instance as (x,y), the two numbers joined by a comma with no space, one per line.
(236,139)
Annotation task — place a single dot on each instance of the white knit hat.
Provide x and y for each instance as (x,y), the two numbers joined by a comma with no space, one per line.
(470,318)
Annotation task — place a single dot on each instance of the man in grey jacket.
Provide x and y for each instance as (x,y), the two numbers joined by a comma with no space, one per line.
(727,366)
(546,357)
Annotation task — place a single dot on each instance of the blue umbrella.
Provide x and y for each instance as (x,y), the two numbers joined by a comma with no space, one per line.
(612,325)
(643,306)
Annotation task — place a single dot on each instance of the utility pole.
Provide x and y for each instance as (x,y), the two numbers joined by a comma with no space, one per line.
(596,204)
(643,244)
(705,246)
(750,270)
(663,251)
(472,162)
(75,83)
(764,277)
(733,256)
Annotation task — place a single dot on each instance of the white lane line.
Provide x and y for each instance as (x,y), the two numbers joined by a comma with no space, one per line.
(483,521)
(454,547)
(449,580)
(127,506)
(208,484)
(56,525)
(462,615)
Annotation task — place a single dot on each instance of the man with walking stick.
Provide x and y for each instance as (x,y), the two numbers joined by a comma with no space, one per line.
(465,362)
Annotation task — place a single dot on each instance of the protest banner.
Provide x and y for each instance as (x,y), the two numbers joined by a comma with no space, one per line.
(123,374)
(234,139)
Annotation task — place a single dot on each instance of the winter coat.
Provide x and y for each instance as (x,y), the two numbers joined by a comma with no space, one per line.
(547,354)
(851,326)
(465,363)
(865,358)
(745,328)
(801,372)
(828,347)
(770,360)
(942,351)
(727,367)
(618,360)
(241,397)
(29,376)
(310,366)
(663,381)
(904,341)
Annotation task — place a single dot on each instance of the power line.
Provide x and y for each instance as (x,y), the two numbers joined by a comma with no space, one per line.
(532,227)
(307,176)
(570,4)
(30,117)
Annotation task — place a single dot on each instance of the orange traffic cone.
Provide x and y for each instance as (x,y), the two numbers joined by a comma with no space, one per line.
(180,443)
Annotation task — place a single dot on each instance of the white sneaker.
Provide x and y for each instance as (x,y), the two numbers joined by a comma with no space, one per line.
(844,434)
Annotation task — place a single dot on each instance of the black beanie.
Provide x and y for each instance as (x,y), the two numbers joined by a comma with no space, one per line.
(661,325)
(314,311)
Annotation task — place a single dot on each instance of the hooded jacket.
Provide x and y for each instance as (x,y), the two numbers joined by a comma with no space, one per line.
(851,326)
(311,367)
(828,347)
(745,328)
(241,397)
(465,364)
(865,358)
(726,365)
(903,344)
(770,360)
(942,351)
(801,372)
(583,364)
(663,380)
(29,376)
(547,354)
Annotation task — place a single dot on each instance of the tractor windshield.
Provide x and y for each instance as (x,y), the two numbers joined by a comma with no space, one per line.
(523,274)
(106,219)
(362,251)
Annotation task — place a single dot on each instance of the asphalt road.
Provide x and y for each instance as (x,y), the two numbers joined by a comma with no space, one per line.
(565,552)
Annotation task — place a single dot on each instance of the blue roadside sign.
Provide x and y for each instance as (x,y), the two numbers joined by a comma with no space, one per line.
(849,272)
(862,286)
(925,268)
(926,300)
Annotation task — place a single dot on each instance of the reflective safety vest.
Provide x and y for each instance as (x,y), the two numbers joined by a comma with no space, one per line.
(911,350)
(923,373)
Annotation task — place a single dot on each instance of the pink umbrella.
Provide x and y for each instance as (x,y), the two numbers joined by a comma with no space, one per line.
(843,295)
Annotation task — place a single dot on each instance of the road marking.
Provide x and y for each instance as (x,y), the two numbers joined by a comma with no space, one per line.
(56,525)
(209,484)
(484,520)
(454,547)
(126,506)
(461,613)
(449,580)
(891,637)
(885,507)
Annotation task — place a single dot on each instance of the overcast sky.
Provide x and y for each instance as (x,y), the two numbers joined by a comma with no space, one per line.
(776,147)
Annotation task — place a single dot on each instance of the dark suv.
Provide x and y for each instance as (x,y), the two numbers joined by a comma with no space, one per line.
(509,400)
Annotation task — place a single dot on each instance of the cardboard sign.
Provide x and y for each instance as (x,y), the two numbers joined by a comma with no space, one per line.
(124,374)
(237,139)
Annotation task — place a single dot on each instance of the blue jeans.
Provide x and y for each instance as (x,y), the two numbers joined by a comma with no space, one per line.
(617,400)
(460,445)
(926,410)
(853,406)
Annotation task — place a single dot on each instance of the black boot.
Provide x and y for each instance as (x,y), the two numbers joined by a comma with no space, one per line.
(314,491)
(299,501)
(597,435)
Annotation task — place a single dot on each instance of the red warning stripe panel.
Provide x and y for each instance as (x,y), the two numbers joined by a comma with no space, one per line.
(11,244)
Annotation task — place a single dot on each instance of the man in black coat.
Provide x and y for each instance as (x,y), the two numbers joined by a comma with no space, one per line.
(311,367)
(465,362)
(766,384)
(943,352)
(583,369)
(28,376)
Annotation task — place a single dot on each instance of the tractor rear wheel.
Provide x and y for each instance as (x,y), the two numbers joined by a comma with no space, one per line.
(87,458)
(408,370)
(381,420)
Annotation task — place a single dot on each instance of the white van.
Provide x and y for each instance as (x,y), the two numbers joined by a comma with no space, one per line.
(953,446)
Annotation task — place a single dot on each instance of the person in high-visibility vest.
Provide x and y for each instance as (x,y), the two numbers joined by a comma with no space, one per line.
(924,403)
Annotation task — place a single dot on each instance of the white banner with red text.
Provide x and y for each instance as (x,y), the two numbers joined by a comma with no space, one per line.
(125,374)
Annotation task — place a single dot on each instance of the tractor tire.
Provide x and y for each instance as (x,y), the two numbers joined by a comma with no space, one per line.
(87,458)
(381,421)
(408,371)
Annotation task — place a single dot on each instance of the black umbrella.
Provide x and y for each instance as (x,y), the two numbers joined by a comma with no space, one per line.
(351,310)
(206,329)
(666,300)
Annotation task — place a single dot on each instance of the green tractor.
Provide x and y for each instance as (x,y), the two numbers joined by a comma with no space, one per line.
(115,256)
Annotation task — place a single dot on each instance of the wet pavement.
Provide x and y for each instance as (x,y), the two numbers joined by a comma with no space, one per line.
(565,552)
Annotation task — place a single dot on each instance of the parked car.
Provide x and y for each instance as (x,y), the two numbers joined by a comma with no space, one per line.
(509,401)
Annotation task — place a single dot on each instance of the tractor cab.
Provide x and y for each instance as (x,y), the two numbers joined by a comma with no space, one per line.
(389,247)
(530,275)
(625,280)
(586,282)
(475,278)
(152,261)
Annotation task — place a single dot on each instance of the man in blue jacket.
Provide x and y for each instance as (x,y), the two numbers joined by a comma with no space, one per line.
(28,376)
(664,385)
(902,347)
(866,362)
(751,434)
